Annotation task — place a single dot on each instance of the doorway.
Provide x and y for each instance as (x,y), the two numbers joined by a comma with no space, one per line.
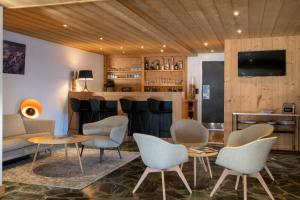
(213,95)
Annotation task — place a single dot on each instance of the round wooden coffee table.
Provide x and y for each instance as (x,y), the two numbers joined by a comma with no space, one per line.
(52,140)
(202,156)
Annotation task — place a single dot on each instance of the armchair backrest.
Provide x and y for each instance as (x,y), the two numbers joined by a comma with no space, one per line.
(249,134)
(189,131)
(248,158)
(159,154)
(118,132)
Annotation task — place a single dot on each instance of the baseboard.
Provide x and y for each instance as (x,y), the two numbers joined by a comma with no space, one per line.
(2,190)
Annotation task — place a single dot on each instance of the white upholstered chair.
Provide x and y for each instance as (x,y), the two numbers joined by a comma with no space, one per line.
(246,161)
(247,135)
(108,133)
(190,133)
(160,156)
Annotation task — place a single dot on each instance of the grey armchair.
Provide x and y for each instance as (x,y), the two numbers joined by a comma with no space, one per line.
(246,160)
(108,133)
(190,133)
(160,156)
(247,135)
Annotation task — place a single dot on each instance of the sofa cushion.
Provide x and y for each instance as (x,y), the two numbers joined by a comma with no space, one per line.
(13,125)
(19,141)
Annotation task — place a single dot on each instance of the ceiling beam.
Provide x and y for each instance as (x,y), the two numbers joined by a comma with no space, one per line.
(136,17)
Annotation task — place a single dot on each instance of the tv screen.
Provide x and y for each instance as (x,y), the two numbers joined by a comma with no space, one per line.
(261,63)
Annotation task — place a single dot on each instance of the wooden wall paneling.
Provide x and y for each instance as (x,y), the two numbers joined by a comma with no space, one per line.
(227,87)
(256,94)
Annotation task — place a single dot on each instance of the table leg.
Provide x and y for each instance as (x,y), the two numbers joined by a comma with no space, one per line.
(66,151)
(208,165)
(35,156)
(195,171)
(76,144)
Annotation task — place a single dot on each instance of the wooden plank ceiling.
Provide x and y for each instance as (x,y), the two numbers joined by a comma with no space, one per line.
(144,26)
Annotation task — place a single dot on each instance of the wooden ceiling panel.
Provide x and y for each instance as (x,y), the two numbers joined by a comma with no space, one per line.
(183,25)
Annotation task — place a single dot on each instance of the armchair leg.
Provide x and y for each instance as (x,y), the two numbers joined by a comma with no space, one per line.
(237,182)
(163,184)
(82,147)
(119,152)
(146,172)
(219,182)
(245,186)
(101,154)
(269,173)
(262,182)
(179,172)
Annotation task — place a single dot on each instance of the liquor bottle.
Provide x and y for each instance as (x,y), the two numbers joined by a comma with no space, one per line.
(157,66)
(162,67)
(146,65)
(176,66)
(180,65)
(172,64)
(167,65)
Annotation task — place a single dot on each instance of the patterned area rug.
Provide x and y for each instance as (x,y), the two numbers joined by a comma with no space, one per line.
(57,171)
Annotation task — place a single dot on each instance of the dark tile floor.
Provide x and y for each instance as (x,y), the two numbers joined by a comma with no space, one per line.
(119,184)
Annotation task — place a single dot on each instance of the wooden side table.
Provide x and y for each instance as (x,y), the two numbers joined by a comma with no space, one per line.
(202,157)
(52,140)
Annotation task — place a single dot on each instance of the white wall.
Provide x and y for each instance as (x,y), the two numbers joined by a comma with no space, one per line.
(47,77)
(195,70)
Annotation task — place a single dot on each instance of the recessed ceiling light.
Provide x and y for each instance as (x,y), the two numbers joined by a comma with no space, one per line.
(65,25)
(121,47)
(236,13)
(142,47)
(161,51)
(211,51)
(205,44)
(164,46)
(101,38)
(101,48)
(239,31)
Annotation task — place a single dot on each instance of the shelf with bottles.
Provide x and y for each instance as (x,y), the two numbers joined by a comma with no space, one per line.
(121,69)
(123,76)
(163,64)
(163,89)
(161,70)
(164,82)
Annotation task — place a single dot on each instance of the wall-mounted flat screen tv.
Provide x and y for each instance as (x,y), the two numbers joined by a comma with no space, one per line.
(262,63)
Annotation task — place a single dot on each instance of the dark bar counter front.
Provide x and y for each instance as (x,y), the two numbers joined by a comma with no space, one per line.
(151,112)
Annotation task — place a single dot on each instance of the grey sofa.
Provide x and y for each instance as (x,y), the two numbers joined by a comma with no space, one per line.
(16,131)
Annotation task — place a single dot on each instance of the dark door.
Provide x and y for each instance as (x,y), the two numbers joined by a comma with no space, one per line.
(213,92)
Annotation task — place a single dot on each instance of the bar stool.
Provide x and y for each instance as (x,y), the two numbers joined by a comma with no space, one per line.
(108,109)
(127,107)
(160,119)
(75,107)
(95,108)
(165,119)
(154,119)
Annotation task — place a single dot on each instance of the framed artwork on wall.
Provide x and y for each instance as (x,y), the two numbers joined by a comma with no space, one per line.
(13,57)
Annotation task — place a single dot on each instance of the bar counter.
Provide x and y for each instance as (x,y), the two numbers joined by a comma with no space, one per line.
(176,98)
